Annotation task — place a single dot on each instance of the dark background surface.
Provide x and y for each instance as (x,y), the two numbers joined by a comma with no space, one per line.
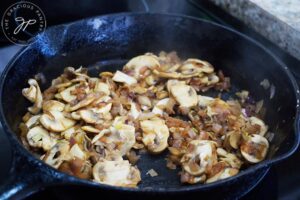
(283,180)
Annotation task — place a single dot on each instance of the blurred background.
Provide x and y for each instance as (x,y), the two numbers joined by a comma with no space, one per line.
(275,29)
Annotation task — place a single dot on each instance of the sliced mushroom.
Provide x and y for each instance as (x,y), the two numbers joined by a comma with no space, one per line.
(67,134)
(95,115)
(185,95)
(33,94)
(56,121)
(57,154)
(144,101)
(223,174)
(255,148)
(89,116)
(66,94)
(204,101)
(122,137)
(229,158)
(190,179)
(166,74)
(233,138)
(32,121)
(116,173)
(140,63)
(155,134)
(39,137)
(76,151)
(102,87)
(86,101)
(195,67)
(53,105)
(102,133)
(134,112)
(90,129)
(77,167)
(124,78)
(200,157)
(160,106)
(262,126)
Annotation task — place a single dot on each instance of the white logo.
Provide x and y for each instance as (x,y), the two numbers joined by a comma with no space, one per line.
(22,21)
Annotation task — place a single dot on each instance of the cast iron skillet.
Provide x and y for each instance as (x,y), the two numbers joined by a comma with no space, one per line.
(111,40)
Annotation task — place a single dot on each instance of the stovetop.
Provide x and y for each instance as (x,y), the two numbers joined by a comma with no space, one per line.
(282,181)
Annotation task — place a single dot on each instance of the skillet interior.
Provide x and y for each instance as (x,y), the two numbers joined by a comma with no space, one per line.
(114,40)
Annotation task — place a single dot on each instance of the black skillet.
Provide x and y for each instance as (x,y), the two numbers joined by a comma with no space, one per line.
(111,40)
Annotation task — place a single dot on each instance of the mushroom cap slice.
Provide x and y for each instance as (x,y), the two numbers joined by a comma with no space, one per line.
(255,148)
(134,112)
(196,66)
(200,157)
(53,105)
(204,101)
(76,151)
(39,137)
(116,173)
(33,94)
(229,158)
(260,123)
(124,78)
(102,87)
(160,106)
(56,121)
(57,154)
(224,173)
(122,137)
(66,94)
(140,62)
(185,95)
(32,121)
(155,134)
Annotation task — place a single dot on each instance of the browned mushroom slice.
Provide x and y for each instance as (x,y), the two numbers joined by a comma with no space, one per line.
(140,63)
(185,95)
(155,134)
(254,121)
(121,138)
(77,167)
(102,87)
(200,157)
(167,74)
(195,67)
(86,101)
(190,179)
(33,94)
(57,154)
(39,137)
(76,151)
(116,173)
(134,112)
(223,174)
(204,101)
(160,106)
(56,121)
(229,158)
(66,94)
(124,78)
(32,121)
(255,148)
(53,105)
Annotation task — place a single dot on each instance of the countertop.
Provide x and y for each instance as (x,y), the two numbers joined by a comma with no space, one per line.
(277,20)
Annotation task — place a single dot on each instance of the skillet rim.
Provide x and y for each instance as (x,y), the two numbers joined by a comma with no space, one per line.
(77,181)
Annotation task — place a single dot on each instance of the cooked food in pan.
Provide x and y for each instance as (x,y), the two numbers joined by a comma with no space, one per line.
(94,127)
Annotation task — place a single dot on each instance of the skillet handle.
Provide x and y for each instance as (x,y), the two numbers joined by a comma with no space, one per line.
(26,177)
